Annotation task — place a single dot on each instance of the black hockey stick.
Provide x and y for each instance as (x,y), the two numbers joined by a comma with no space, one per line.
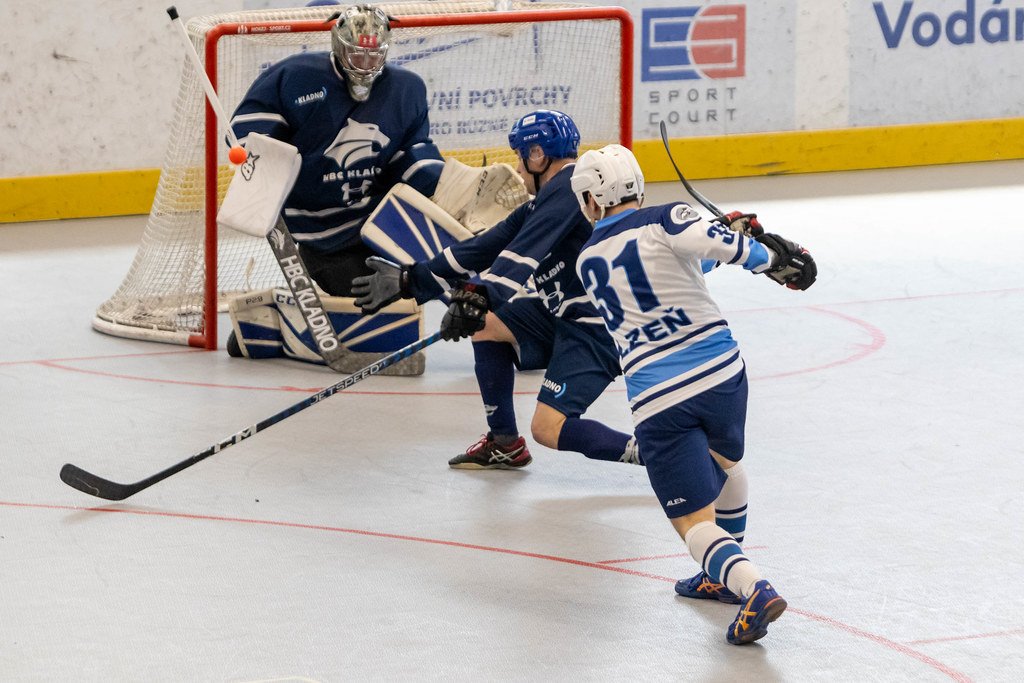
(686,183)
(87,482)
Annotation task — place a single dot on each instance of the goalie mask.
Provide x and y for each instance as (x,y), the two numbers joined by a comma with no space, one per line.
(359,41)
(611,175)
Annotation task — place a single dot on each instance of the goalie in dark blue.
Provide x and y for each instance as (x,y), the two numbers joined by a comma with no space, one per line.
(360,126)
(685,377)
(558,329)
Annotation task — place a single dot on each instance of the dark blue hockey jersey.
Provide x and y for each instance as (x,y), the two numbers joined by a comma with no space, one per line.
(352,152)
(541,238)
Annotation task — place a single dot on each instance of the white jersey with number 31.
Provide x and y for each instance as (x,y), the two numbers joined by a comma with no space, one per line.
(643,270)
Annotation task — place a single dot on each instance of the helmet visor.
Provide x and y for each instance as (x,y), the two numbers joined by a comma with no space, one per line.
(362,60)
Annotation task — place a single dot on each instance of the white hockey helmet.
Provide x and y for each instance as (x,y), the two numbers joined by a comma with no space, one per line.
(611,175)
(360,40)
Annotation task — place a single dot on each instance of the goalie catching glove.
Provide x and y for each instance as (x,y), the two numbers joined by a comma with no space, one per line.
(792,265)
(466,313)
(388,284)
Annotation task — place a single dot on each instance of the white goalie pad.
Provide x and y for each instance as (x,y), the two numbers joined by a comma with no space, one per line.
(269,324)
(406,227)
(479,197)
(260,186)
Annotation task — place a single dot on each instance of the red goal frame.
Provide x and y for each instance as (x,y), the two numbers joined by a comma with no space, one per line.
(208,338)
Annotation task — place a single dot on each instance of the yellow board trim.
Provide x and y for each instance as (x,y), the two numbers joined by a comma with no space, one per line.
(847,149)
(79,195)
(118,193)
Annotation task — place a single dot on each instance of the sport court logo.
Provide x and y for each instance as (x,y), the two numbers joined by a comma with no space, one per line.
(689,43)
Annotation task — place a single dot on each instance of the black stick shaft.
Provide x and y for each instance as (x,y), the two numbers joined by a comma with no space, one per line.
(87,482)
(686,183)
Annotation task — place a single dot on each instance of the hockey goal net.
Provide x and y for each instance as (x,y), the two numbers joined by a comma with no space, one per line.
(483,69)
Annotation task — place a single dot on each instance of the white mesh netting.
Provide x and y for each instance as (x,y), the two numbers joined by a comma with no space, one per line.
(479,79)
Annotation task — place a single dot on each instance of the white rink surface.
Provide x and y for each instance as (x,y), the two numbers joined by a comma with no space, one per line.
(883,443)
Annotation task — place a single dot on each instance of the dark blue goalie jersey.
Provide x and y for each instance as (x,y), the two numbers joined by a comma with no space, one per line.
(541,238)
(352,152)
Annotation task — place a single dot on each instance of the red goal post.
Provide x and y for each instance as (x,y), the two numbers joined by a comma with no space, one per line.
(594,68)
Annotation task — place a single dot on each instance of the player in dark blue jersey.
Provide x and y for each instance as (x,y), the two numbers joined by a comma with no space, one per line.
(558,329)
(360,126)
(685,377)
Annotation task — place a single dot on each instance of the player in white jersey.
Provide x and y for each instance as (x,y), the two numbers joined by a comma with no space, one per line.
(685,378)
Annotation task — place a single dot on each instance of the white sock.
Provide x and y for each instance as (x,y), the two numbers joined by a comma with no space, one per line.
(722,558)
(731,504)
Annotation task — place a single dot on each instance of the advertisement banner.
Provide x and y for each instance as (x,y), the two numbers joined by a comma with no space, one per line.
(919,61)
(713,67)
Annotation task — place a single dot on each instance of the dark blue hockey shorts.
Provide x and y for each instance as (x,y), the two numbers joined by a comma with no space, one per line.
(675,442)
(581,359)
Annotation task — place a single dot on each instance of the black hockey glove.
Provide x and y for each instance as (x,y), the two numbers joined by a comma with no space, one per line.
(745,223)
(792,266)
(466,313)
(389,283)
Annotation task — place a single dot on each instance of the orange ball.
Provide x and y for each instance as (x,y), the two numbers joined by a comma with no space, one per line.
(237,156)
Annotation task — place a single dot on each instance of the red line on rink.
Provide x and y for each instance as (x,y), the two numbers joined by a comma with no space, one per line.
(877,341)
(880,640)
(949,639)
(116,355)
(891,644)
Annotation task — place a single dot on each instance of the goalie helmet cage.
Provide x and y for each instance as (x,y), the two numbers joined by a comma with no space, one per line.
(483,69)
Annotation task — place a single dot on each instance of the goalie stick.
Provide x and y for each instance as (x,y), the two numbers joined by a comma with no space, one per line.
(87,482)
(319,324)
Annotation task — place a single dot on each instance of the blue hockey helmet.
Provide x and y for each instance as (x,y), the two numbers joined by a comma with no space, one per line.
(555,133)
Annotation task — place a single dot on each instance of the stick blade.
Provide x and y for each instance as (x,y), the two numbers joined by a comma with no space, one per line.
(86,482)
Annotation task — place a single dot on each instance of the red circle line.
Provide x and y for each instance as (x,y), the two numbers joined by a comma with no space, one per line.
(880,640)
(878,340)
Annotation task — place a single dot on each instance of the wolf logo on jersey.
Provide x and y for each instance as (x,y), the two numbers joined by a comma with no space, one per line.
(356,142)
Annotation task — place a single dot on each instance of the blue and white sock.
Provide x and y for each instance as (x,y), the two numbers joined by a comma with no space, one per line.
(722,558)
(731,504)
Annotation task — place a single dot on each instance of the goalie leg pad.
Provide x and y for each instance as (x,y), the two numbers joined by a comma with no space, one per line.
(368,338)
(406,227)
(257,324)
(269,324)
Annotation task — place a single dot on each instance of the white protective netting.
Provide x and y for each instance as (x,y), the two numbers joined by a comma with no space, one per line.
(480,79)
